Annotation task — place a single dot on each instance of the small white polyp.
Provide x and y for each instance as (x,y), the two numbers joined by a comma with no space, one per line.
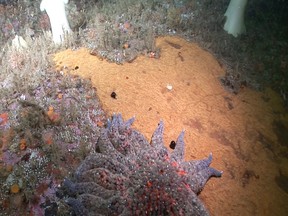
(19,43)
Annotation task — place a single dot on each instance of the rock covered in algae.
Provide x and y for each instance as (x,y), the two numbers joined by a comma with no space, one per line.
(127,175)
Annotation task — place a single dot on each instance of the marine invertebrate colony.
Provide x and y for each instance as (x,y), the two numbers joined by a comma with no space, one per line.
(127,175)
(43,137)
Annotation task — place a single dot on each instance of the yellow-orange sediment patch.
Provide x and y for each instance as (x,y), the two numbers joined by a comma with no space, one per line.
(237,129)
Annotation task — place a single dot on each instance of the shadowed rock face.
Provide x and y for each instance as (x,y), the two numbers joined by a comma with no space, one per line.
(130,176)
(7,2)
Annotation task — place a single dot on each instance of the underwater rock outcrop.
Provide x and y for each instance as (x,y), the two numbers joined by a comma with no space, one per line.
(127,175)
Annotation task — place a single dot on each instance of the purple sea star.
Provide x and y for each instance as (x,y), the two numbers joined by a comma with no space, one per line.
(127,175)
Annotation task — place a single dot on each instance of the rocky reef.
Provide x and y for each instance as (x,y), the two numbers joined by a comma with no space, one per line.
(127,175)
(43,137)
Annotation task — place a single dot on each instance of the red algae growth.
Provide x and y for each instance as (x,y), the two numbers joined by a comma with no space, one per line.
(245,132)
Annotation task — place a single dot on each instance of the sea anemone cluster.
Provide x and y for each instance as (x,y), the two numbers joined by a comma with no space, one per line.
(127,175)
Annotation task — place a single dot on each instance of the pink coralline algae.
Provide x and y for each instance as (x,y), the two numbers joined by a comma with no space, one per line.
(127,175)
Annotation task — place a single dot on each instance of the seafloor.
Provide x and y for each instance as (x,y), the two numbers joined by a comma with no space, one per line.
(228,94)
(242,131)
